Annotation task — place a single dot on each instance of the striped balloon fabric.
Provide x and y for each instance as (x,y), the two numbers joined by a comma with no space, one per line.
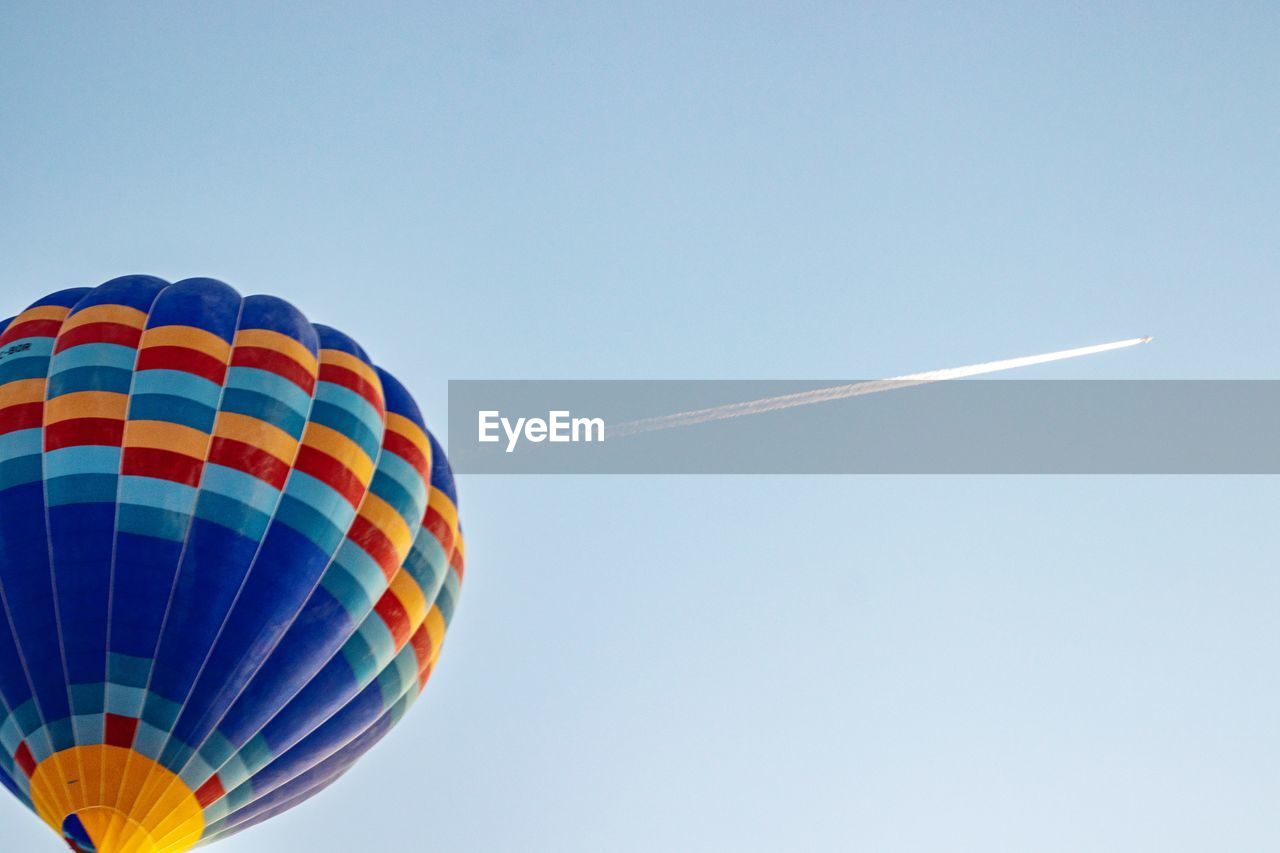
(229,552)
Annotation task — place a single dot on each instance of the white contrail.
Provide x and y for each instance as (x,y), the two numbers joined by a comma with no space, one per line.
(854,389)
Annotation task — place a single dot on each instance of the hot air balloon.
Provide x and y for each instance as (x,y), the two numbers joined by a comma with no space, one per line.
(229,552)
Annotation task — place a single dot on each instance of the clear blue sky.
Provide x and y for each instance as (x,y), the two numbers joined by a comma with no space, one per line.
(707,190)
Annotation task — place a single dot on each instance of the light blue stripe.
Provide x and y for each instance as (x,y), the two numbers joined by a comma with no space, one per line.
(380,644)
(23,442)
(427,563)
(216,811)
(41,347)
(125,701)
(407,476)
(196,771)
(149,740)
(239,486)
(339,583)
(83,459)
(271,384)
(310,490)
(95,355)
(40,744)
(325,529)
(233,515)
(158,493)
(89,728)
(363,569)
(10,735)
(359,408)
(177,383)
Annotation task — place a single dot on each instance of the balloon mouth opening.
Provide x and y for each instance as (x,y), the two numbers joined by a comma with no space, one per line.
(129,803)
(101,829)
(76,836)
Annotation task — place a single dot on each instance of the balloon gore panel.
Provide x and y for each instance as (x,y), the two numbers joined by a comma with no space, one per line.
(229,554)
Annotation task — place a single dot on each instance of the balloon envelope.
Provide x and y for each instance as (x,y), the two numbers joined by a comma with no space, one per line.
(229,552)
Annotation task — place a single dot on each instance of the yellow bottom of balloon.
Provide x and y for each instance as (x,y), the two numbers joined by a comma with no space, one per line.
(126,802)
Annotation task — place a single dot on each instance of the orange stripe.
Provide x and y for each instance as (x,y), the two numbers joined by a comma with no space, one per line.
(259,434)
(189,337)
(163,435)
(410,431)
(405,588)
(122,314)
(43,312)
(434,623)
(86,404)
(440,502)
(280,343)
(384,517)
(355,365)
(21,391)
(333,443)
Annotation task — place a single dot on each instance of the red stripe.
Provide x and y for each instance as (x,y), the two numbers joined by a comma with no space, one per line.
(98,333)
(210,792)
(422,651)
(455,562)
(330,471)
(439,528)
(161,465)
(31,329)
(25,759)
(182,358)
(120,730)
(396,617)
(249,459)
(77,432)
(21,416)
(348,378)
(375,543)
(275,362)
(406,450)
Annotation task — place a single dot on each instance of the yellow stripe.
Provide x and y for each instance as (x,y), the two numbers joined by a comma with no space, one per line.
(440,502)
(383,516)
(402,426)
(335,444)
(163,435)
(281,343)
(188,337)
(164,813)
(43,312)
(86,404)
(406,591)
(256,433)
(21,391)
(338,358)
(435,630)
(122,314)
